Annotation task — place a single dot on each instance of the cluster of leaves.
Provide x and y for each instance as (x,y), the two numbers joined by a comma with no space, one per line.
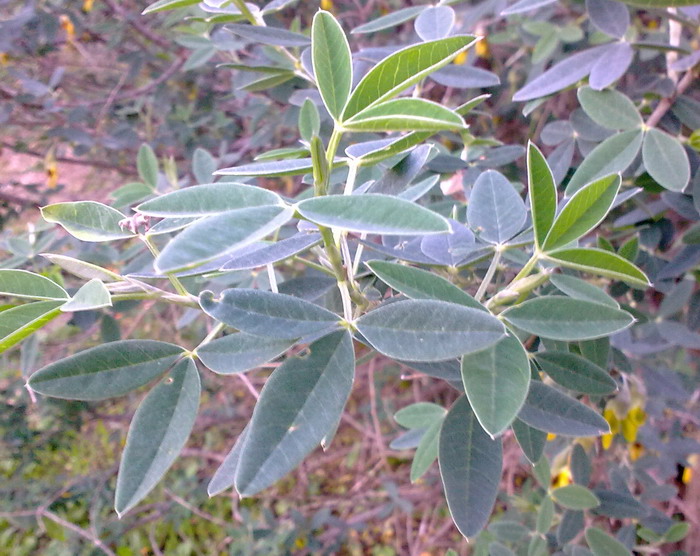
(537,347)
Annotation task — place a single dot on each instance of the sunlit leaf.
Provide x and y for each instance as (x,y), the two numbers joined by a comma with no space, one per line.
(332,62)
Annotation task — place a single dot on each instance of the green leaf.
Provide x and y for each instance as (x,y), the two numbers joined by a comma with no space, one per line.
(87,220)
(602,544)
(576,373)
(267,82)
(332,62)
(237,353)
(563,318)
(419,415)
(421,284)
(613,155)
(531,441)
(309,121)
(404,68)
(105,371)
(428,330)
(495,210)
(22,283)
(389,20)
(584,211)
(470,467)
(543,193)
(665,160)
(545,516)
(549,410)
(19,322)
(218,235)
(575,497)
(162,5)
(82,269)
(427,451)
(677,532)
(599,261)
(158,432)
(373,214)
(435,22)
(274,36)
(275,168)
(610,109)
(405,114)
(298,405)
(93,295)
(208,199)
(225,475)
(580,289)
(147,165)
(496,380)
(386,148)
(269,314)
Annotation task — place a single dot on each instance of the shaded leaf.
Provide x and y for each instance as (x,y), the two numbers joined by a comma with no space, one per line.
(105,371)
(264,313)
(576,373)
(495,210)
(300,401)
(609,16)
(82,269)
(665,160)
(549,410)
(276,168)
(158,432)
(613,155)
(163,5)
(580,289)
(421,284)
(274,36)
(426,451)
(470,467)
(435,22)
(563,318)
(612,64)
(237,353)
(309,120)
(419,415)
(602,544)
(496,380)
(609,108)
(428,330)
(531,441)
(225,475)
(147,165)
(259,255)
(389,20)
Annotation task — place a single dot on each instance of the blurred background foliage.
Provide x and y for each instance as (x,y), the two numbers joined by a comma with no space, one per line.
(85,84)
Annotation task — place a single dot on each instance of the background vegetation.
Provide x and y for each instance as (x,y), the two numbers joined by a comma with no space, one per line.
(86,85)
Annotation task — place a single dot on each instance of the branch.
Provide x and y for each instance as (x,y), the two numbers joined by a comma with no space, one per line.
(666,102)
(138,26)
(95,163)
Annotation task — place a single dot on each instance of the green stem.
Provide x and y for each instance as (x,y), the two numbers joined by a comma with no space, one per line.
(315,266)
(489,275)
(170,298)
(179,288)
(527,269)
(214,332)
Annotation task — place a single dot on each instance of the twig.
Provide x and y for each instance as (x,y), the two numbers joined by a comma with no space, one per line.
(666,102)
(122,169)
(138,26)
(79,531)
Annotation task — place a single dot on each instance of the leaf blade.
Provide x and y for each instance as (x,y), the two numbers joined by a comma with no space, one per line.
(332,62)
(158,432)
(543,193)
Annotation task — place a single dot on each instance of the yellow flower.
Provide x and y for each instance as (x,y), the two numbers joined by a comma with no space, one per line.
(68,27)
(4,58)
(563,478)
(461,58)
(327,5)
(87,5)
(482,49)
(636,451)
(51,169)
